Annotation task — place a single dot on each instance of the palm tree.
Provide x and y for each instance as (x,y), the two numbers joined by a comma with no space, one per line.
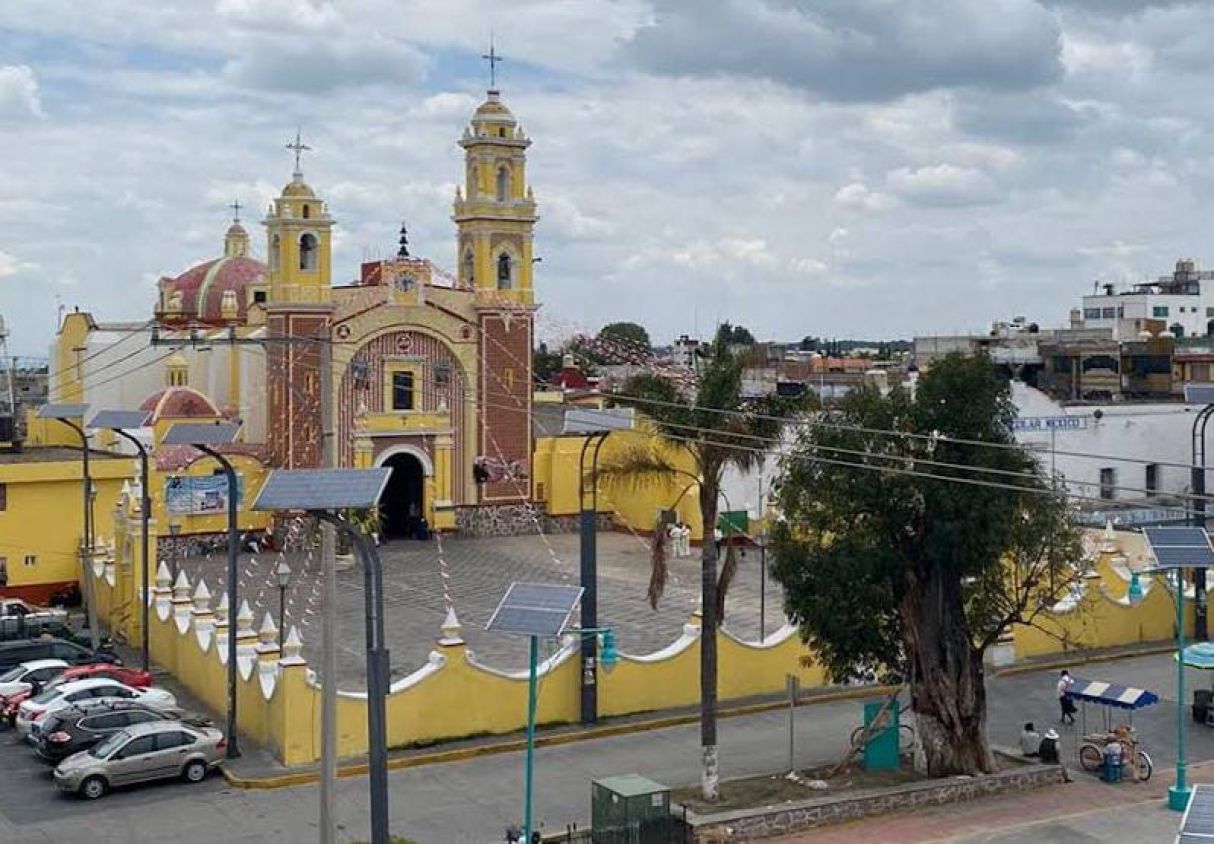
(718,427)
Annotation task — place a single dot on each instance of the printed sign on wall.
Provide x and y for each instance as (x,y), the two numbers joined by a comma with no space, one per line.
(200,495)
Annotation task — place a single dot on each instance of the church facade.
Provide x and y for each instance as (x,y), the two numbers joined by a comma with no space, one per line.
(429,372)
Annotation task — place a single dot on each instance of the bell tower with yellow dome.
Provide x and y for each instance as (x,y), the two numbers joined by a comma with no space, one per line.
(495,209)
(298,309)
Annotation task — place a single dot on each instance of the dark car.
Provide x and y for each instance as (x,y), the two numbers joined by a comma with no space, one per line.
(79,727)
(23,650)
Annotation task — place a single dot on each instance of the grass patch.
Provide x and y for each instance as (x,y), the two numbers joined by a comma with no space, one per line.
(774,789)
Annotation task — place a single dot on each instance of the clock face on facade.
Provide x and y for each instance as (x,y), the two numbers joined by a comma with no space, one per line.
(405,281)
(404,344)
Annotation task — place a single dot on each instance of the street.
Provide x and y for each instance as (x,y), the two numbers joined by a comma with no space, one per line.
(474,800)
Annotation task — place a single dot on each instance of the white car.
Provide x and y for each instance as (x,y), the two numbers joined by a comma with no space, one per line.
(32,711)
(21,609)
(21,678)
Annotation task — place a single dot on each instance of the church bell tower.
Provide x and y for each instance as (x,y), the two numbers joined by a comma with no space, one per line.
(299,313)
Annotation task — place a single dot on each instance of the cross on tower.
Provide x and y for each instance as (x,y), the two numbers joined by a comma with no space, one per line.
(235,206)
(298,146)
(493,58)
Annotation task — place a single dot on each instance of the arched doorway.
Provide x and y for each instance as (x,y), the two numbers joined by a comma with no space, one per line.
(403,504)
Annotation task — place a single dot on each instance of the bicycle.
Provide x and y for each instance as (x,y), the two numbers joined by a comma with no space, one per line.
(1091,756)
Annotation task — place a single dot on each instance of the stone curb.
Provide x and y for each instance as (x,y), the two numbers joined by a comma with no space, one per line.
(514,745)
(1081,658)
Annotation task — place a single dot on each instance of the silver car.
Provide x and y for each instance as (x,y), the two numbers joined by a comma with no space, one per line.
(142,752)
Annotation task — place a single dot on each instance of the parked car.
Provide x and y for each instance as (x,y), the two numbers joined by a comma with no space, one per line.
(39,706)
(30,675)
(67,596)
(134,677)
(80,726)
(33,626)
(16,652)
(24,609)
(142,752)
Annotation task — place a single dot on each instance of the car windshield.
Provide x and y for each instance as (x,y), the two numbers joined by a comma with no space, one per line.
(12,674)
(109,745)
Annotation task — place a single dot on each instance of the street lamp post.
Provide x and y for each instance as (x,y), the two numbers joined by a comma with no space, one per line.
(322,492)
(1199,394)
(120,421)
(283,575)
(205,437)
(65,413)
(595,426)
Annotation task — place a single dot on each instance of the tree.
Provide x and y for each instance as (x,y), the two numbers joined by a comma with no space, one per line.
(737,335)
(545,364)
(717,427)
(884,566)
(628,336)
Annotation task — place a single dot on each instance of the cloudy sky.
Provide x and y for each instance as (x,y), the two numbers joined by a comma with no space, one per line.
(873,168)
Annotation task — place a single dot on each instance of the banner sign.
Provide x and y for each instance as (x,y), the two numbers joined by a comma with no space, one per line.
(200,495)
(1029,424)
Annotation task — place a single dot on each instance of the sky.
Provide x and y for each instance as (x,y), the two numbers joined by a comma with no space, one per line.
(840,168)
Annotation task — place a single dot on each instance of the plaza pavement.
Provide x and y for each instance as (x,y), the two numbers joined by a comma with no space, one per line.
(471,802)
(479,572)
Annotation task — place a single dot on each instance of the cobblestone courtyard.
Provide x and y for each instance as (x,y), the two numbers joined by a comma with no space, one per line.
(479,572)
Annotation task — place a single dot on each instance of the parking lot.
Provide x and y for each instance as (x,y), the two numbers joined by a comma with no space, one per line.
(478,574)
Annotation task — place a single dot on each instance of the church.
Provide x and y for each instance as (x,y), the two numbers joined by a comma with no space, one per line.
(430,371)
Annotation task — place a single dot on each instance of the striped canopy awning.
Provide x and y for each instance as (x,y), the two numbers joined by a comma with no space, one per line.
(1111,694)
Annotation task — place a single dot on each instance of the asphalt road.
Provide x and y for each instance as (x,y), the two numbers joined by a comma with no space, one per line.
(473,801)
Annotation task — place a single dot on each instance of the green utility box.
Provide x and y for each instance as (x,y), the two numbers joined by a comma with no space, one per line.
(881,752)
(630,805)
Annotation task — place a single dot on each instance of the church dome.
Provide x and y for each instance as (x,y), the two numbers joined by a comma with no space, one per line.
(493,107)
(299,188)
(202,288)
(179,403)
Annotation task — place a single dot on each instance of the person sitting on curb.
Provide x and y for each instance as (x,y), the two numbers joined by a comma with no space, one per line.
(1051,752)
(1030,740)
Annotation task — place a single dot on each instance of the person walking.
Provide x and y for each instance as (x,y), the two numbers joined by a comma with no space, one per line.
(1065,704)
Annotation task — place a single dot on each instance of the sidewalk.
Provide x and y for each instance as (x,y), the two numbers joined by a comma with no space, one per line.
(1023,817)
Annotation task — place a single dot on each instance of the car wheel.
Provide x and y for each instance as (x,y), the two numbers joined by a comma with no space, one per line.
(92,788)
(195,771)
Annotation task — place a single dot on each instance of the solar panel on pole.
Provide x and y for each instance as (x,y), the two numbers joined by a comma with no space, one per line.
(121,419)
(1179,547)
(1198,822)
(322,489)
(535,609)
(1199,393)
(62,411)
(201,433)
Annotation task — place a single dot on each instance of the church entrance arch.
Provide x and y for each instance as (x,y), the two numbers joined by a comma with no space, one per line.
(403,505)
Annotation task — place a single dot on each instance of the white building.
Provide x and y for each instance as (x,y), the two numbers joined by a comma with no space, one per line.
(1183,302)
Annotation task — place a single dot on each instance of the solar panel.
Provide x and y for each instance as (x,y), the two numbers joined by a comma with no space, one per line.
(201,433)
(1180,547)
(322,489)
(1198,822)
(535,609)
(592,420)
(62,411)
(1199,393)
(121,419)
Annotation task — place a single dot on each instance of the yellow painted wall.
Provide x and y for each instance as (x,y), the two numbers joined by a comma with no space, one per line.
(555,466)
(43,515)
(250,469)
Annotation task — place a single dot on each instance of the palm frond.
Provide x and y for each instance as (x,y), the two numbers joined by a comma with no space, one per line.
(640,465)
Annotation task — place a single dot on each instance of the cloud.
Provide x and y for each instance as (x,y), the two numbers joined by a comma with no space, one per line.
(858,196)
(855,49)
(10,266)
(942,185)
(324,63)
(19,98)
(1028,118)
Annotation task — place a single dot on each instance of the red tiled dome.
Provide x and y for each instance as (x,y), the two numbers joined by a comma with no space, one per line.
(202,288)
(179,403)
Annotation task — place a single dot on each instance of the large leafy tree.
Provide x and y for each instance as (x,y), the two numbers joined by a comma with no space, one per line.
(718,427)
(916,559)
(632,337)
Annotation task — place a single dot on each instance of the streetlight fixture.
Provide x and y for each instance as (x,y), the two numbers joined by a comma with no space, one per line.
(121,422)
(542,611)
(595,426)
(283,575)
(1199,394)
(322,493)
(1178,549)
(66,413)
(206,437)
